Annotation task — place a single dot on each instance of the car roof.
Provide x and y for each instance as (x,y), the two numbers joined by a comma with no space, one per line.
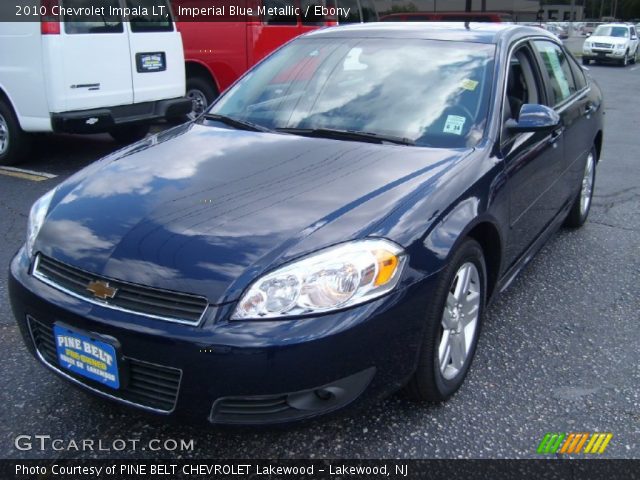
(478,32)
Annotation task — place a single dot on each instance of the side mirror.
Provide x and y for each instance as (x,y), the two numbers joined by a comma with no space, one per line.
(588,34)
(534,118)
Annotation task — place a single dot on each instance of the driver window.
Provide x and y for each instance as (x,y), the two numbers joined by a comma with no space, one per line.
(521,85)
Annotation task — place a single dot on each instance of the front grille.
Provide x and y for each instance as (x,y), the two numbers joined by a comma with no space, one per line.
(602,45)
(162,304)
(150,385)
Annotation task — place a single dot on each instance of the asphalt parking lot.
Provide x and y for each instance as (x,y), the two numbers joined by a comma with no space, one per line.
(558,352)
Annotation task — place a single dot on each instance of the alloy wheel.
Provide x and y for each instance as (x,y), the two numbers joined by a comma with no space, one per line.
(198,102)
(4,135)
(587,185)
(459,320)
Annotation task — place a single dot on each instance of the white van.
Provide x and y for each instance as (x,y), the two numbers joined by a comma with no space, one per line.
(76,72)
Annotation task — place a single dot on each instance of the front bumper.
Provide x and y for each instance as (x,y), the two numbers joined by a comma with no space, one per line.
(240,372)
(100,120)
(603,55)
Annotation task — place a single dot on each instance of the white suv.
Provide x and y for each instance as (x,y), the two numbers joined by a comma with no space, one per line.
(89,73)
(613,42)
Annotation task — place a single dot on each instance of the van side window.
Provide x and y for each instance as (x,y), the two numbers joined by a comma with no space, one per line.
(555,62)
(79,24)
(280,14)
(309,14)
(150,23)
(352,10)
(369,12)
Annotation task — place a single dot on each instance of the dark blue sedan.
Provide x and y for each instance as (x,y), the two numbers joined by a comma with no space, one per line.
(330,231)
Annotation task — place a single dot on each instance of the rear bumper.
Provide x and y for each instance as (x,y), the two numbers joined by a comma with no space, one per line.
(99,120)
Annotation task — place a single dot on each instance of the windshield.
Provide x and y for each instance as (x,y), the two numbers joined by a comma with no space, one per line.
(433,93)
(604,31)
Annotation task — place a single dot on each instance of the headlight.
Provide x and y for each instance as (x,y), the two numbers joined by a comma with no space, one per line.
(620,46)
(587,45)
(36,218)
(337,277)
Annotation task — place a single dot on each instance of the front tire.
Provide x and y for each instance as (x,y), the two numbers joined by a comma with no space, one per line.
(201,92)
(582,205)
(625,61)
(453,322)
(13,141)
(586,61)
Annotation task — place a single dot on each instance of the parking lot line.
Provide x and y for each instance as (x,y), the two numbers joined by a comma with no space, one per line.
(26,174)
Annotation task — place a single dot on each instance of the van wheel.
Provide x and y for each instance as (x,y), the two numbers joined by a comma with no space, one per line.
(580,209)
(127,134)
(453,321)
(201,92)
(13,141)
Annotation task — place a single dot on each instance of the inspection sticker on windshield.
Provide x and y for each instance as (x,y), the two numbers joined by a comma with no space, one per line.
(468,84)
(454,124)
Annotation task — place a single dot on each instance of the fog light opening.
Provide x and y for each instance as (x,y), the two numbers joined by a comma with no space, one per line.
(324,394)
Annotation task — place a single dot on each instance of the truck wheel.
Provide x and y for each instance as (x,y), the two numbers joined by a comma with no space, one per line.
(201,92)
(127,134)
(625,61)
(13,141)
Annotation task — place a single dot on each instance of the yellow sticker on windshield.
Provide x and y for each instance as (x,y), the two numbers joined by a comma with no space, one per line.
(468,84)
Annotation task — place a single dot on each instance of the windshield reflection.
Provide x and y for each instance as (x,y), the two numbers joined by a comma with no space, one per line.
(432,92)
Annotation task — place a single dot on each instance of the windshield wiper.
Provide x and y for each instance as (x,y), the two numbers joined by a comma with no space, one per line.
(234,122)
(347,135)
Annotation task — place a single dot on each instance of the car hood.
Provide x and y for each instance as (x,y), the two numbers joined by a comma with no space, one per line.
(205,210)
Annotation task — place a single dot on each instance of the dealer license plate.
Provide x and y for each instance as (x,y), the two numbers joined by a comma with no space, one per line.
(87,356)
(151,62)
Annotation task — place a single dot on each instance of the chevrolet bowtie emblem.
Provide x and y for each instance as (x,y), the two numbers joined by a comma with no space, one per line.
(102,289)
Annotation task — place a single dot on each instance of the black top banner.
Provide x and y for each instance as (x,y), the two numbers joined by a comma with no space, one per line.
(164,10)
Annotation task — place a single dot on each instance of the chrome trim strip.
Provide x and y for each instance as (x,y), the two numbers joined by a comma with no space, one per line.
(100,392)
(43,278)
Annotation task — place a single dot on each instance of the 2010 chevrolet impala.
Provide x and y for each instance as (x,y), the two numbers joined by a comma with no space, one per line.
(329,231)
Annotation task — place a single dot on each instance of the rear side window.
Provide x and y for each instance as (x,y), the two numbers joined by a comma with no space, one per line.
(85,24)
(578,74)
(279,12)
(148,16)
(556,63)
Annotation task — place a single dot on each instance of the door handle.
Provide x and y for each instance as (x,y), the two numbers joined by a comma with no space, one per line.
(589,109)
(555,135)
